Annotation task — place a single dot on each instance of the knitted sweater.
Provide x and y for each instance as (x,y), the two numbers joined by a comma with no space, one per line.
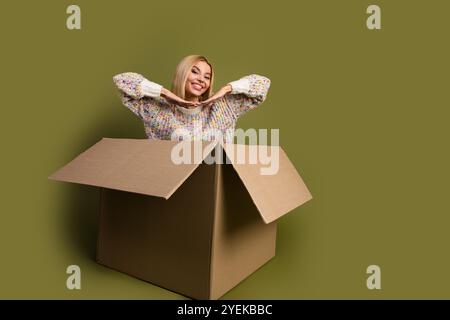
(167,121)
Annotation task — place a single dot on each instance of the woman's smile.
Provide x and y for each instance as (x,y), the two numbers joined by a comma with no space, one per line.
(196,86)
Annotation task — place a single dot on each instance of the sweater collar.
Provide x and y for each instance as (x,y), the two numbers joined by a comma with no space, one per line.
(190,111)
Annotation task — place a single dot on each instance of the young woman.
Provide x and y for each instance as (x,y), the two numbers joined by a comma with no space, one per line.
(191,110)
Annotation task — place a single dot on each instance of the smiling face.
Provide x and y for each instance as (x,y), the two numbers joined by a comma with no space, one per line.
(198,81)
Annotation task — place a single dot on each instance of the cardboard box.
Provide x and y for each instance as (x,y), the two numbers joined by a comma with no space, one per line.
(196,229)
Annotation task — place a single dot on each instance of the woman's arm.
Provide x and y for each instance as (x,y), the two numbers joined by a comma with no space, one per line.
(133,87)
(136,86)
(244,94)
(247,93)
(169,95)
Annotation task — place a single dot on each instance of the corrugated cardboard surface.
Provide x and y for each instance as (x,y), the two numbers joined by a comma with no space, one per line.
(274,195)
(165,242)
(145,166)
(194,228)
(135,165)
(242,242)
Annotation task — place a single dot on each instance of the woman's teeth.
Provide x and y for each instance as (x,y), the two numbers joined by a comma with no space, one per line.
(196,86)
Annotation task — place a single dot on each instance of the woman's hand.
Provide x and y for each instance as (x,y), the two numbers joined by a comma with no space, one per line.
(176,99)
(219,94)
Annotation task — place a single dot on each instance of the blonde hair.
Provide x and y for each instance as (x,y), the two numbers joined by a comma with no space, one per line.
(182,73)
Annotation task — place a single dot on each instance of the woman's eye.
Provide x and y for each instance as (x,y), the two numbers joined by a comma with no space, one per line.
(196,72)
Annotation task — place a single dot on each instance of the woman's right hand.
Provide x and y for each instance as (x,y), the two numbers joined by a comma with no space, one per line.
(169,95)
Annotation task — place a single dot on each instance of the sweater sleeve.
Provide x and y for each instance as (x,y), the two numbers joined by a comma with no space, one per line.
(247,93)
(137,93)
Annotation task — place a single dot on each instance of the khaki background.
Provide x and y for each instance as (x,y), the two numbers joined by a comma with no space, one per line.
(362,114)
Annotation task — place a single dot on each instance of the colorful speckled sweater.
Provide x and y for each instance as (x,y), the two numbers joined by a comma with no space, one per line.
(167,121)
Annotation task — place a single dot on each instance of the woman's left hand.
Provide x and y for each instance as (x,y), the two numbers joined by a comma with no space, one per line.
(219,94)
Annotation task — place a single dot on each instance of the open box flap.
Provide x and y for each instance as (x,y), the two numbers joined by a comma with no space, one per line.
(142,166)
(278,191)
